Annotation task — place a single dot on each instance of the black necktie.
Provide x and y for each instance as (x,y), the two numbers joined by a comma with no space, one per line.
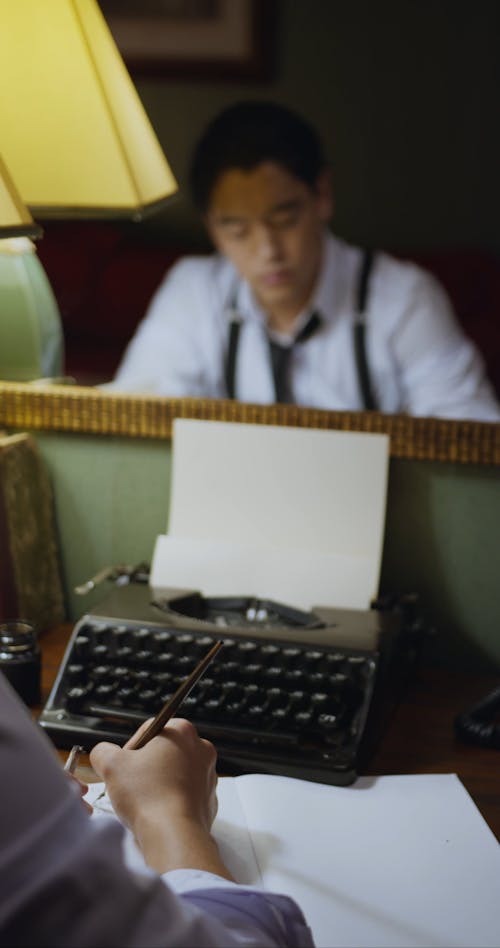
(281,356)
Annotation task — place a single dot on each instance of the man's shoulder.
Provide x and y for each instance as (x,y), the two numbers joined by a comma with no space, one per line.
(397,287)
(401,281)
(402,267)
(386,264)
(200,284)
(202,268)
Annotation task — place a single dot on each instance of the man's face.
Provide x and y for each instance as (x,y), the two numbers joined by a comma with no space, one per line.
(270,225)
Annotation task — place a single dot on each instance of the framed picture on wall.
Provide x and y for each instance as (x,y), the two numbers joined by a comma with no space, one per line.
(222,39)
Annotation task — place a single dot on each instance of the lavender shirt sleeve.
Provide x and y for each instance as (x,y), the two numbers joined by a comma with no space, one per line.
(243,907)
(64,880)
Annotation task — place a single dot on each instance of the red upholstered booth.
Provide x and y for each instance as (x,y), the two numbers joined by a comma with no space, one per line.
(104,275)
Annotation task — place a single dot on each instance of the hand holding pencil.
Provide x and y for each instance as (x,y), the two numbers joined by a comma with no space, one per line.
(164,790)
(152,728)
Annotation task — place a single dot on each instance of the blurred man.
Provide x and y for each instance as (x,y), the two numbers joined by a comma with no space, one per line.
(285,311)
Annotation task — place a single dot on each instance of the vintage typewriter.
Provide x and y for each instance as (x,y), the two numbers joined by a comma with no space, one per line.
(298,693)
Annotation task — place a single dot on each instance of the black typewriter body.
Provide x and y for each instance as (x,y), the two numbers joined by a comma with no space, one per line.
(299,694)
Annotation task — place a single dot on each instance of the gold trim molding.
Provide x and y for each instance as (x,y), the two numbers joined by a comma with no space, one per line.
(45,407)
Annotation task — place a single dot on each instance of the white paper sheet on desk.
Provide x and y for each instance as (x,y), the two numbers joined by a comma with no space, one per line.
(284,513)
(391,862)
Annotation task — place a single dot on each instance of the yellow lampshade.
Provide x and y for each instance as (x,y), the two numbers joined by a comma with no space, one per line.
(15,219)
(72,125)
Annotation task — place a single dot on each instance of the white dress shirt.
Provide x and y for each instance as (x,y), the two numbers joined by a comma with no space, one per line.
(419,360)
(64,881)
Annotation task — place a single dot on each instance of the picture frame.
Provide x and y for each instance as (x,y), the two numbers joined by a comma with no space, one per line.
(192,39)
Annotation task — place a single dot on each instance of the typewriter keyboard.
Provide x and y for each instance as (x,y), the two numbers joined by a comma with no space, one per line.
(268,705)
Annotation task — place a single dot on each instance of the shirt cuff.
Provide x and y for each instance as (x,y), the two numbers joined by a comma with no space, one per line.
(187,880)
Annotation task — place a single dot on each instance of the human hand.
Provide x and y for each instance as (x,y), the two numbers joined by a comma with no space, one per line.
(165,793)
(173,774)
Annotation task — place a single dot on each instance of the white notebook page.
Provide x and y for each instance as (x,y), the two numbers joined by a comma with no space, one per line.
(388,862)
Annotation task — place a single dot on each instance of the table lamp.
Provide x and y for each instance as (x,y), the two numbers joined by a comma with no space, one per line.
(31,343)
(75,135)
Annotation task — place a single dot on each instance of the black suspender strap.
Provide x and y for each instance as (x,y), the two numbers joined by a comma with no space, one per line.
(359,332)
(364,276)
(232,349)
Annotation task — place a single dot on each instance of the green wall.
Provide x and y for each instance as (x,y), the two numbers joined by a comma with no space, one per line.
(405,94)
(441,539)
(111,500)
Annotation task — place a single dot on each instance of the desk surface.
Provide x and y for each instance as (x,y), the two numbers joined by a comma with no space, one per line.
(419,737)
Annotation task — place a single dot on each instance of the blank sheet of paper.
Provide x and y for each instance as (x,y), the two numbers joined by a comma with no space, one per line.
(389,862)
(285,513)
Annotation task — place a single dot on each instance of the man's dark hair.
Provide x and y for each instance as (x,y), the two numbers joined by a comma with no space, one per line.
(247,134)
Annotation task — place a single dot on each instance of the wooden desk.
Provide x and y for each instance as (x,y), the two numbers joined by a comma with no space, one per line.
(419,737)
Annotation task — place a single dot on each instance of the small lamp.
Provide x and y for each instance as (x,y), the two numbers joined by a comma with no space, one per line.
(73,129)
(31,343)
(74,133)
